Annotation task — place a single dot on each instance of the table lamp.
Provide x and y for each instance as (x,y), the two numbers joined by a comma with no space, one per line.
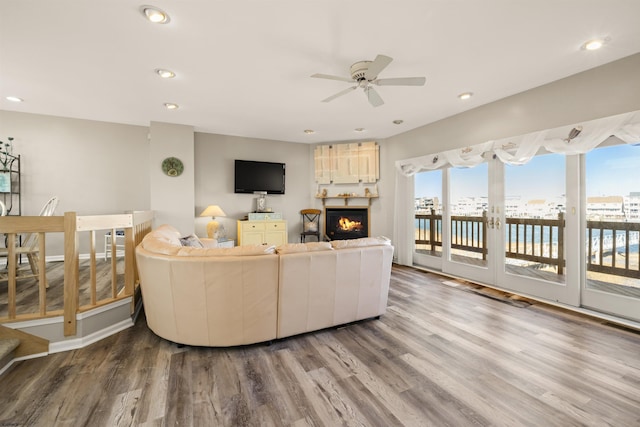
(214,228)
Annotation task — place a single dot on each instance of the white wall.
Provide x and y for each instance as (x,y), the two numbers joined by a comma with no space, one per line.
(611,89)
(214,180)
(172,197)
(93,167)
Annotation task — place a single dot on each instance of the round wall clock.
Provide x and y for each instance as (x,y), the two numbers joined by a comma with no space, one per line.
(172,166)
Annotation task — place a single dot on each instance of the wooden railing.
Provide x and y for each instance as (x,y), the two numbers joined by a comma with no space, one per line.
(614,238)
(536,240)
(73,227)
(541,241)
(469,233)
(429,230)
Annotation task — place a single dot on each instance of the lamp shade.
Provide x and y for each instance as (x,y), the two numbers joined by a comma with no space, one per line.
(213,211)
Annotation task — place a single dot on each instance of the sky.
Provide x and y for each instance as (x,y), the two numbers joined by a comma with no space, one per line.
(610,171)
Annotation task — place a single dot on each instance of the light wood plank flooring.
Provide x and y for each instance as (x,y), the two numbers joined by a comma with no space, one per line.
(446,353)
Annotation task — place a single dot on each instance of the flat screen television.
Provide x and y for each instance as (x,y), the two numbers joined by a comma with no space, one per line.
(252,176)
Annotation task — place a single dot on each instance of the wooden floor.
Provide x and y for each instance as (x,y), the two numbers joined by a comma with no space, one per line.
(446,353)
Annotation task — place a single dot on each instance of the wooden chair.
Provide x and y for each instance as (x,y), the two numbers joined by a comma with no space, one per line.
(310,224)
(29,245)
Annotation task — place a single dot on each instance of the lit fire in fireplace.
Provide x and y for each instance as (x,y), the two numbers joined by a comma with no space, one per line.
(345,224)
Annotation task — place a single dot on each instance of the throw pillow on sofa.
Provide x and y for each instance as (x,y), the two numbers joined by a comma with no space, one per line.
(163,240)
(192,241)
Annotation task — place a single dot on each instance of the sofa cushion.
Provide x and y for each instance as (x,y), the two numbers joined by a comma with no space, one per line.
(192,241)
(163,240)
(290,248)
(166,231)
(235,251)
(362,242)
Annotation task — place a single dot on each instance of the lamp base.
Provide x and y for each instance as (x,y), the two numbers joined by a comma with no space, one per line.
(213,228)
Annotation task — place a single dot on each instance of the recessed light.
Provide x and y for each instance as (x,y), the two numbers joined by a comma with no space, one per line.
(14,99)
(165,74)
(170,106)
(359,129)
(155,15)
(594,44)
(398,122)
(465,95)
(309,131)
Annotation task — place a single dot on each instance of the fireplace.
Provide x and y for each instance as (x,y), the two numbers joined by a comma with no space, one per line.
(343,223)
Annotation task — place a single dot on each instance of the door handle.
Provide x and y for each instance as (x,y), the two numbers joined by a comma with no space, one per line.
(490,222)
(498,223)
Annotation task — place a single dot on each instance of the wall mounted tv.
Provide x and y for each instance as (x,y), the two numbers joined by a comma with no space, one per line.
(252,176)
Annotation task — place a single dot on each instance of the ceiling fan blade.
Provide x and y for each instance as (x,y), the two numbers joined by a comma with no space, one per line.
(342,92)
(373,97)
(378,64)
(401,81)
(330,77)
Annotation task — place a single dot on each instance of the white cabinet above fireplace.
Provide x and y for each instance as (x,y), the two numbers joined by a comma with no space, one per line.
(347,163)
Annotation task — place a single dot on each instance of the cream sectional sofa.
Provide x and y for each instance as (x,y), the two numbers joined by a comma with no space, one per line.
(211,296)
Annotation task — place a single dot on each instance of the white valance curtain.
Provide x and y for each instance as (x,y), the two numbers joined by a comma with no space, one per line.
(579,138)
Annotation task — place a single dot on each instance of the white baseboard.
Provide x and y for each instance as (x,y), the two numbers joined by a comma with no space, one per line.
(76,343)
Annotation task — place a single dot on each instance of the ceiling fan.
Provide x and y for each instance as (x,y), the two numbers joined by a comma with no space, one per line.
(365,74)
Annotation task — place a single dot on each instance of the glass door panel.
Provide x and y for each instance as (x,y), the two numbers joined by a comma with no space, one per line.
(428,219)
(533,240)
(468,205)
(467,241)
(612,230)
(534,217)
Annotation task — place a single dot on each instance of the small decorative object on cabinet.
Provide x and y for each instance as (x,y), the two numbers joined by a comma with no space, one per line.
(10,178)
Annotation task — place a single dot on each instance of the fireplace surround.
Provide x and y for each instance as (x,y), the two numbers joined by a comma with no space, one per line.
(346,222)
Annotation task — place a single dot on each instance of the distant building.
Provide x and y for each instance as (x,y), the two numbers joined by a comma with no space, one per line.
(470,206)
(605,207)
(601,208)
(632,206)
(428,203)
(516,207)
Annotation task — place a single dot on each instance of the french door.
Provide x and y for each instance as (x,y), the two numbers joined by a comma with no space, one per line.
(468,246)
(561,228)
(537,237)
(611,230)
(496,230)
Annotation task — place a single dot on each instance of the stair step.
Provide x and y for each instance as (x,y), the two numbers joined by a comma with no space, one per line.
(7,346)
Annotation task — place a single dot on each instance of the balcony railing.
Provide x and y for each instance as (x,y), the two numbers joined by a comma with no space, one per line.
(540,241)
(617,239)
(536,240)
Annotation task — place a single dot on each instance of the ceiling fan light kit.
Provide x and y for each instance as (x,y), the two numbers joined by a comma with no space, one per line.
(365,74)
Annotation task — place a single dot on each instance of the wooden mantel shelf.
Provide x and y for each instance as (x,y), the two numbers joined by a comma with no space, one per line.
(346,198)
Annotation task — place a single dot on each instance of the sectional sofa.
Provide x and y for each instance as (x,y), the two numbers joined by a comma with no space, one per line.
(198,294)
